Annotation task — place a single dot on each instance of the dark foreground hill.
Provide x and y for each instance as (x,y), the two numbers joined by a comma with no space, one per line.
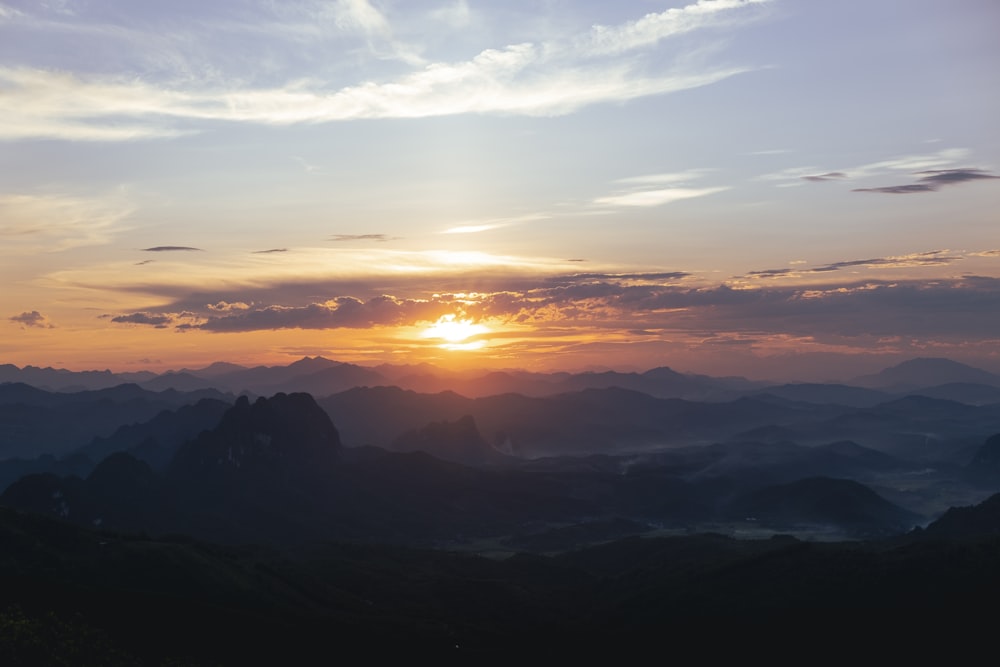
(71,595)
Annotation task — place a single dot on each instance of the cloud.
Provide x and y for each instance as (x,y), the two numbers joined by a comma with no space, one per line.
(641,194)
(172,248)
(829,176)
(607,64)
(931,258)
(472,229)
(456,14)
(159,321)
(650,276)
(341,312)
(363,17)
(932,179)
(655,27)
(769,273)
(656,197)
(381,238)
(825,307)
(661,179)
(495,223)
(32,319)
(57,222)
(796,175)
(226,307)
(952,176)
(144,262)
(270,251)
(899,189)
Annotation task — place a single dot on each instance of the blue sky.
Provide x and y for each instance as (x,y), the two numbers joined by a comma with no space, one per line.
(764,187)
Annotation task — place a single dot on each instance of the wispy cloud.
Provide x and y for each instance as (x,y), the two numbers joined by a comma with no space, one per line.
(58,222)
(899,189)
(904,163)
(912,260)
(641,191)
(538,79)
(270,251)
(340,238)
(653,28)
(932,179)
(656,197)
(829,176)
(172,248)
(474,227)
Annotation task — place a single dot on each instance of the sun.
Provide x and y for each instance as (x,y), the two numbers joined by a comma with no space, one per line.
(456,333)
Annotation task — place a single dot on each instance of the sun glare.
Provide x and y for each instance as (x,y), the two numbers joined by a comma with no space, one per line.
(456,333)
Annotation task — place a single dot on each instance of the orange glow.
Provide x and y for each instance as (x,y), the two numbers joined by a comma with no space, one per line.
(456,333)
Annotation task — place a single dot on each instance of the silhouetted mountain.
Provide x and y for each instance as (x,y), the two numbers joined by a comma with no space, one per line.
(261,378)
(288,432)
(659,382)
(458,441)
(926,372)
(180,381)
(843,503)
(59,379)
(760,463)
(327,381)
(36,422)
(121,491)
(836,394)
(577,423)
(157,440)
(215,369)
(986,462)
(964,392)
(967,522)
(12,470)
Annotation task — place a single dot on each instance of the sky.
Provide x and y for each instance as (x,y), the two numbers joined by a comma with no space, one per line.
(781,189)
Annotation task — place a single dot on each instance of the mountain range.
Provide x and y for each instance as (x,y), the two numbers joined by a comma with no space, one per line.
(146,523)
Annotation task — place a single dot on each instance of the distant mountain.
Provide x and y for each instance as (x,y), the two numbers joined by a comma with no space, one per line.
(967,522)
(574,423)
(35,422)
(286,434)
(825,501)
(970,393)
(458,441)
(121,492)
(987,459)
(660,382)
(315,375)
(179,381)
(214,369)
(156,441)
(836,394)
(327,381)
(248,379)
(59,379)
(926,372)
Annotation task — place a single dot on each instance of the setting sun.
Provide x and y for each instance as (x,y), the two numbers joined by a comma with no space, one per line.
(456,333)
